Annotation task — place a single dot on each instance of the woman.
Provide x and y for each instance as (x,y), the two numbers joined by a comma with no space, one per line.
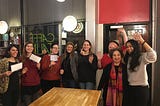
(50,69)
(30,79)
(104,60)
(9,81)
(114,80)
(87,66)
(138,91)
(69,67)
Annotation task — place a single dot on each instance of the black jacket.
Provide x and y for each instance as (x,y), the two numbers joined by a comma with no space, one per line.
(103,84)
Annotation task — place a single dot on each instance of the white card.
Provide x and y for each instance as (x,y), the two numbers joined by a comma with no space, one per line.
(35,58)
(53,58)
(16,67)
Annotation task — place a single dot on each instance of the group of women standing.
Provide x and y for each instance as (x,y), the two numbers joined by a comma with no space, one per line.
(10,81)
(79,69)
(51,71)
(124,80)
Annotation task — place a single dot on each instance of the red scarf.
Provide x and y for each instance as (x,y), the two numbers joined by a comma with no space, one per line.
(114,93)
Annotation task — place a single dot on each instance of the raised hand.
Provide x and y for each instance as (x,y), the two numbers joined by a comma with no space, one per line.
(91,57)
(99,55)
(138,37)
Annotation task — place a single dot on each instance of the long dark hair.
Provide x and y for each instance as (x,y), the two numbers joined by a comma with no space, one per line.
(7,54)
(135,55)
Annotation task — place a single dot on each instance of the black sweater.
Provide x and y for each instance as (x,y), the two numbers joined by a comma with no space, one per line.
(87,70)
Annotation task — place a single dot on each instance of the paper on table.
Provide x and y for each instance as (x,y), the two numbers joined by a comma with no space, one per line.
(53,58)
(35,58)
(16,67)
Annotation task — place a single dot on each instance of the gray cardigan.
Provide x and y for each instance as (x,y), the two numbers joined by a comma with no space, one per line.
(73,64)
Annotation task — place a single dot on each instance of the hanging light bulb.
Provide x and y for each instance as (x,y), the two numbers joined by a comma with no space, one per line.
(3,27)
(61,0)
(69,23)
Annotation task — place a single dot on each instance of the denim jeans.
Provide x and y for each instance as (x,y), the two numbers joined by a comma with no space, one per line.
(70,84)
(86,85)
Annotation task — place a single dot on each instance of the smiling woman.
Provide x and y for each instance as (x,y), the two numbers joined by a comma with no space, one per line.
(9,80)
(114,80)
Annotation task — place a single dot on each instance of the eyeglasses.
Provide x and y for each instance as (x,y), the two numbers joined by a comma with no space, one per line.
(55,48)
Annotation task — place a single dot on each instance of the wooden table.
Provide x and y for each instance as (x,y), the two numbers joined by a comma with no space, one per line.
(68,97)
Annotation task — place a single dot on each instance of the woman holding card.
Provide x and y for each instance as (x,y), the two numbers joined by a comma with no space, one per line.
(50,69)
(9,81)
(30,77)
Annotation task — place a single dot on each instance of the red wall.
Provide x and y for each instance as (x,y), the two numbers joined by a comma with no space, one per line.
(122,11)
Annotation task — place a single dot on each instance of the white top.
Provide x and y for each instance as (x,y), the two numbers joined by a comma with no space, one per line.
(140,77)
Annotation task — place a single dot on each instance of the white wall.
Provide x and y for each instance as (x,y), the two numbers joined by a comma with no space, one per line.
(94,32)
(90,22)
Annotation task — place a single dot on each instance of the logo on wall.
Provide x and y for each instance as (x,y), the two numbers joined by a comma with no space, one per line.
(42,41)
(79,27)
